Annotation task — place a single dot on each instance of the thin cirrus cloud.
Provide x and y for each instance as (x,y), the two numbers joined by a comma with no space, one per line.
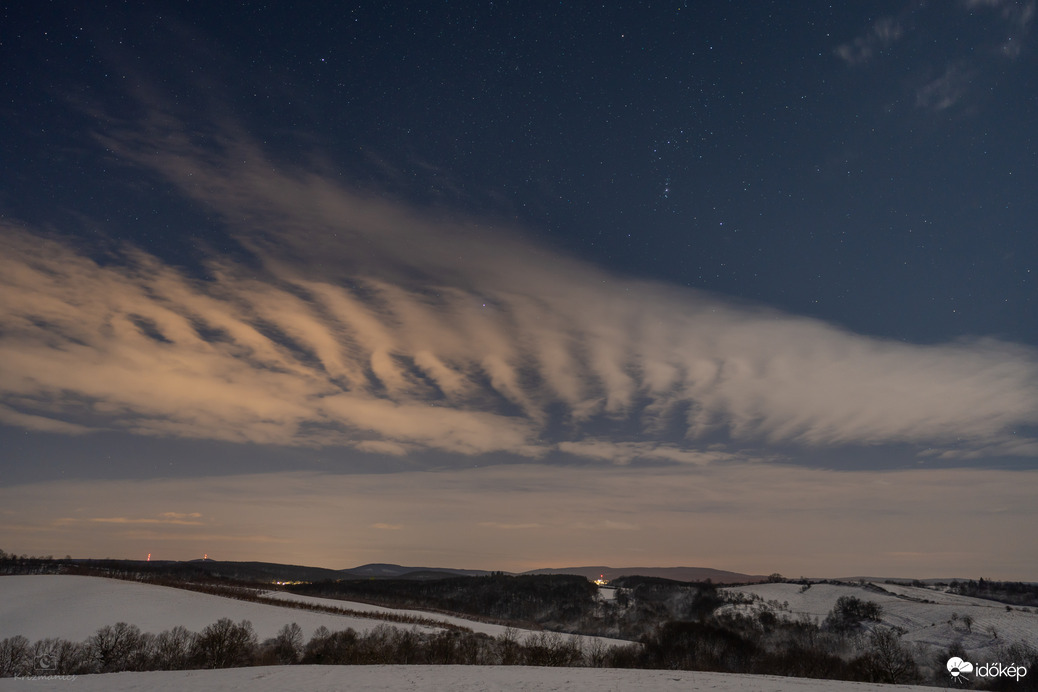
(882,33)
(362,322)
(164,519)
(1005,32)
(947,90)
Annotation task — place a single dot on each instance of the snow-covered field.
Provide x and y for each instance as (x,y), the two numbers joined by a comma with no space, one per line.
(73,608)
(937,623)
(439,678)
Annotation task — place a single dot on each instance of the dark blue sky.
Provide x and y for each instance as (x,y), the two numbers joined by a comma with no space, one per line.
(251,239)
(717,145)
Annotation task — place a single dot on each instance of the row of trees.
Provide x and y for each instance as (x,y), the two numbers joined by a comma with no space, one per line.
(226,644)
(1011,592)
(554,601)
(121,647)
(732,641)
(764,644)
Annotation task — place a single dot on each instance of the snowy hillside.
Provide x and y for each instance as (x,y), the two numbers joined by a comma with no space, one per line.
(73,608)
(930,617)
(438,678)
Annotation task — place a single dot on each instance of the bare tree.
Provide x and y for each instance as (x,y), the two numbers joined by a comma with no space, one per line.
(172,648)
(288,644)
(14,656)
(225,644)
(887,660)
(114,647)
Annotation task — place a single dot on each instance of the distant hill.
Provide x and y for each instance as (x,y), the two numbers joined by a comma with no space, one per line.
(246,571)
(273,572)
(267,572)
(380,570)
(718,576)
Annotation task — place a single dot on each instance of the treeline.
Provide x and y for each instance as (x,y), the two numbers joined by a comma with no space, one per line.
(226,644)
(731,642)
(755,638)
(208,571)
(850,644)
(1011,592)
(551,601)
(557,602)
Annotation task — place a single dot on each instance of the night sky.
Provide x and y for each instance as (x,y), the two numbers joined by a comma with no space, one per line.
(751,286)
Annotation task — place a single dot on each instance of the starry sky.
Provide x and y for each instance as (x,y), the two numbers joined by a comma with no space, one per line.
(503,285)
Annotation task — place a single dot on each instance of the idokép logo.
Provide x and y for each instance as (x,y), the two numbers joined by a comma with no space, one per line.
(958,669)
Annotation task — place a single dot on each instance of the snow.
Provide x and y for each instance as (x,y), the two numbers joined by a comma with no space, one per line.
(454,678)
(928,623)
(73,608)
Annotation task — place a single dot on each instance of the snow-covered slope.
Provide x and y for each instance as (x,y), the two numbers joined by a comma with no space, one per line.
(73,608)
(439,678)
(929,616)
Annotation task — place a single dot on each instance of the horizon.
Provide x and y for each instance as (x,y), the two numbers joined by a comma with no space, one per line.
(518,286)
(468,568)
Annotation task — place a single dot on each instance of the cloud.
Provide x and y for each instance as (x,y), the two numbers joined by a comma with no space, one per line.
(605,525)
(947,90)
(167,518)
(881,34)
(9,416)
(511,527)
(128,520)
(359,321)
(626,452)
(1016,16)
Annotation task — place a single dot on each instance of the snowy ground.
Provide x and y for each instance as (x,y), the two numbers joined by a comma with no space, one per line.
(929,623)
(438,678)
(73,608)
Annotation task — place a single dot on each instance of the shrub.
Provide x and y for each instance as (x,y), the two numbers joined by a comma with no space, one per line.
(850,611)
(887,660)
